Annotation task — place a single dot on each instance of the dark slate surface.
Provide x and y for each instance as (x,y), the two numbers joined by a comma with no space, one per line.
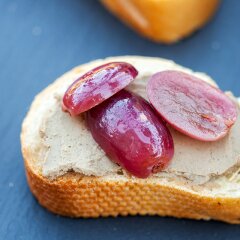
(40,40)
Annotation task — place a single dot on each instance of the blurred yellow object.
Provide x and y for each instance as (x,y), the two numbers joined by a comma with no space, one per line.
(164,21)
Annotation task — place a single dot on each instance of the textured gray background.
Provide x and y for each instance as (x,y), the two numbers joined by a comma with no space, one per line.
(40,40)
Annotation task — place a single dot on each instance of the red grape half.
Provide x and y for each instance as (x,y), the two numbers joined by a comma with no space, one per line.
(191,105)
(97,85)
(131,133)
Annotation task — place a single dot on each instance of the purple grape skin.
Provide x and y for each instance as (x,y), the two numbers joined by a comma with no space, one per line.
(131,134)
(97,85)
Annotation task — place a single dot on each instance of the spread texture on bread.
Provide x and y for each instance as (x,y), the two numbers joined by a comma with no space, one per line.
(70,174)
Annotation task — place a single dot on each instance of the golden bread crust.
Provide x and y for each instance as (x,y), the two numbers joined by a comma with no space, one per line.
(163,21)
(88,197)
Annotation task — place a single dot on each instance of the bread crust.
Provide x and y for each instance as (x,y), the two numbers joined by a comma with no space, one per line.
(76,195)
(90,197)
(163,21)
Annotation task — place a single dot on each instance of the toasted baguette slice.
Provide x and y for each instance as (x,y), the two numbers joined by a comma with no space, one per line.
(78,195)
(164,21)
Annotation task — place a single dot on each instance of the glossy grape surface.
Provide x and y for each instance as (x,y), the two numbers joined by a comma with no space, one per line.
(191,105)
(131,133)
(97,85)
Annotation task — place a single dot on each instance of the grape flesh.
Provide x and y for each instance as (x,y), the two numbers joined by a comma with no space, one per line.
(131,134)
(191,105)
(97,85)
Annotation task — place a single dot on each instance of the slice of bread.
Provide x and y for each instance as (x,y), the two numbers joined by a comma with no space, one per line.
(164,21)
(76,194)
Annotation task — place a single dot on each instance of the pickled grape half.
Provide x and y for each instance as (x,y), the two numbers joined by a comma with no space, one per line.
(191,105)
(131,133)
(97,85)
